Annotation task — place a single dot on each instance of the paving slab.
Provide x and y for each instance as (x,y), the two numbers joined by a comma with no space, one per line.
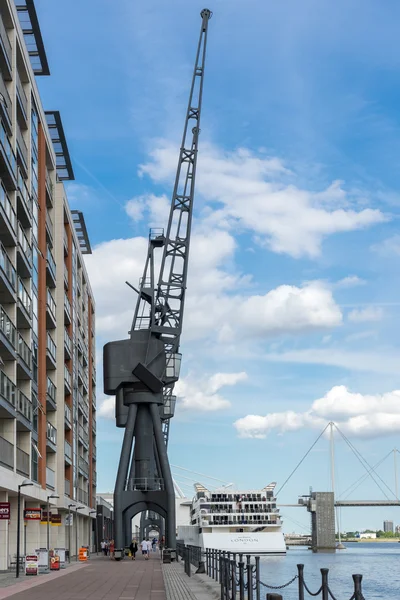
(179,586)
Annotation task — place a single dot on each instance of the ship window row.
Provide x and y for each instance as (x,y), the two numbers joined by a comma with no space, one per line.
(242,497)
(251,508)
(240,514)
(250,521)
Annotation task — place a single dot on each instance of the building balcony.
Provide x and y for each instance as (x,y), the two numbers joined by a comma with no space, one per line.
(24,254)
(8,278)
(67,487)
(93,374)
(5,52)
(67,453)
(8,397)
(82,496)
(93,400)
(67,381)
(83,437)
(49,190)
(8,218)
(50,478)
(22,99)
(49,229)
(51,318)
(22,152)
(51,353)
(6,454)
(67,310)
(24,412)
(24,307)
(66,284)
(65,235)
(67,345)
(94,452)
(83,406)
(24,365)
(24,202)
(8,162)
(67,417)
(23,462)
(83,467)
(51,396)
(51,270)
(6,107)
(51,438)
(8,336)
(94,478)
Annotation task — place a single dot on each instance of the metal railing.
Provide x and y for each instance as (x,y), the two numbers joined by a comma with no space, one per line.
(7,389)
(51,262)
(22,145)
(67,414)
(24,297)
(23,462)
(82,496)
(24,244)
(68,450)
(84,435)
(68,342)
(51,347)
(67,376)
(51,433)
(21,95)
(7,267)
(51,303)
(49,184)
(67,306)
(24,405)
(84,466)
(145,484)
(24,194)
(50,478)
(8,208)
(67,487)
(6,42)
(24,352)
(8,151)
(7,327)
(6,453)
(51,390)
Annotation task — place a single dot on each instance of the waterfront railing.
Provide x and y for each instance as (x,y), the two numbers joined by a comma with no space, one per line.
(239,576)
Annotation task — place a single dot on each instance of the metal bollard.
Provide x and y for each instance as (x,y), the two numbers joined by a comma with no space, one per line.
(258,591)
(300,571)
(325,593)
(249,578)
(241,579)
(357,587)
(274,597)
(233,579)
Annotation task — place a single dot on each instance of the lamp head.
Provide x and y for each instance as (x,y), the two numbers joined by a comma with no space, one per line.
(25,483)
(71,505)
(80,508)
(53,496)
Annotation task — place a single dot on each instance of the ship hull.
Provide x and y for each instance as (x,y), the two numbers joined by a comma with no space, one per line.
(264,542)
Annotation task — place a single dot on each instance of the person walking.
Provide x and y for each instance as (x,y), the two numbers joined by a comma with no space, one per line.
(144,549)
(154,544)
(103,547)
(148,547)
(133,548)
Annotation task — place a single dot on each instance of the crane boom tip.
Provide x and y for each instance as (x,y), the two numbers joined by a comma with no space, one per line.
(206,12)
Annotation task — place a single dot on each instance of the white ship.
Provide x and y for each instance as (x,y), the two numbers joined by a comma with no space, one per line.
(247,522)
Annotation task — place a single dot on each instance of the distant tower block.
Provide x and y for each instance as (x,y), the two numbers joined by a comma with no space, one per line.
(321,505)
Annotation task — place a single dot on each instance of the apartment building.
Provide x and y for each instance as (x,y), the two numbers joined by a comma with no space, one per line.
(47,328)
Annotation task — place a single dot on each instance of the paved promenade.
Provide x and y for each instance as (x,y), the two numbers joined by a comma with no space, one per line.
(103,578)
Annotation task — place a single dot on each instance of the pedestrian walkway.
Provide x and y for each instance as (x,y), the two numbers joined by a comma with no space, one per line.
(104,579)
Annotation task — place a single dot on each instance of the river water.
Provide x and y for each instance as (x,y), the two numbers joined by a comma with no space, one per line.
(379,563)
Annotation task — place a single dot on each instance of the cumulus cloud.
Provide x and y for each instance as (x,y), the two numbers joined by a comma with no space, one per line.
(369,313)
(202,394)
(106,409)
(355,414)
(155,208)
(349,282)
(389,247)
(257,193)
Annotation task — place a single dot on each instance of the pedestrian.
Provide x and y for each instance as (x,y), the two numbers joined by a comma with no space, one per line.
(133,548)
(112,549)
(153,544)
(106,548)
(144,549)
(103,547)
(148,546)
(162,543)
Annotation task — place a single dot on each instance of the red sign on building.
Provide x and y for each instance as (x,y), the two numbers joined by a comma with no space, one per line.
(32,514)
(5,512)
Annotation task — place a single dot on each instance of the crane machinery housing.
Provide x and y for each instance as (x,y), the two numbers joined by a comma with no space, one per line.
(142,370)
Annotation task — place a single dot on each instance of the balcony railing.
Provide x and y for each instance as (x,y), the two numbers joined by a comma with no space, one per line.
(7,207)
(84,406)
(66,277)
(51,262)
(22,146)
(24,244)
(50,478)
(6,43)
(67,307)
(68,342)
(7,267)
(24,297)
(68,450)
(82,496)
(67,376)
(66,240)
(49,184)
(24,193)
(7,389)
(83,465)
(51,303)
(84,435)
(22,462)
(51,433)
(7,327)
(8,151)
(22,96)
(6,453)
(67,487)
(24,406)
(51,390)
(24,351)
(51,347)
(67,413)
(49,224)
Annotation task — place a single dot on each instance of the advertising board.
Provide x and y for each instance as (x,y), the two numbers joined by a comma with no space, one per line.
(5,512)
(31,564)
(43,560)
(60,552)
(32,514)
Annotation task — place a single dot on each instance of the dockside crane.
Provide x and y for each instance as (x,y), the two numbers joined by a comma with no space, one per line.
(142,370)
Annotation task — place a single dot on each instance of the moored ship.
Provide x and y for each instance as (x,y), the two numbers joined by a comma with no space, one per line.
(235,521)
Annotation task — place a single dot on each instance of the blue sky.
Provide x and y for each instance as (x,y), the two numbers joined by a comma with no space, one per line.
(294,279)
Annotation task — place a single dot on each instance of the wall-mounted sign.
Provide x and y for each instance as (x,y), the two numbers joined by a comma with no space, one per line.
(31,564)
(69,520)
(56,520)
(32,514)
(44,517)
(5,512)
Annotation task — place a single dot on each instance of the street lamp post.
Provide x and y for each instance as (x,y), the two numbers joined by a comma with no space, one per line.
(93,512)
(48,526)
(69,530)
(25,483)
(76,529)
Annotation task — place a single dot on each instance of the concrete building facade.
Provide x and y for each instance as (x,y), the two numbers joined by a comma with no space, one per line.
(388,526)
(47,332)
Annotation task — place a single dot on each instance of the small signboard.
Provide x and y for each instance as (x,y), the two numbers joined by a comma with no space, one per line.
(69,520)
(5,511)
(43,520)
(56,520)
(54,562)
(43,560)
(60,552)
(31,564)
(32,514)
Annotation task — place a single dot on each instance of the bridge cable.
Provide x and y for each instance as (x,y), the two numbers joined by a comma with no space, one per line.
(356,484)
(360,459)
(302,460)
(196,473)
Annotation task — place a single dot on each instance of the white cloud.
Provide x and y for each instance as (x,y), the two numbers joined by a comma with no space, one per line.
(106,409)
(256,193)
(369,313)
(389,247)
(349,281)
(355,414)
(155,208)
(194,393)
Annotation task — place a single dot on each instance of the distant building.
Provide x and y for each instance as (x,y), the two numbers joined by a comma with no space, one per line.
(388,526)
(367,536)
(397,530)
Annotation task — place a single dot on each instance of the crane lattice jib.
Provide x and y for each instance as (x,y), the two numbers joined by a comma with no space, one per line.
(171,288)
